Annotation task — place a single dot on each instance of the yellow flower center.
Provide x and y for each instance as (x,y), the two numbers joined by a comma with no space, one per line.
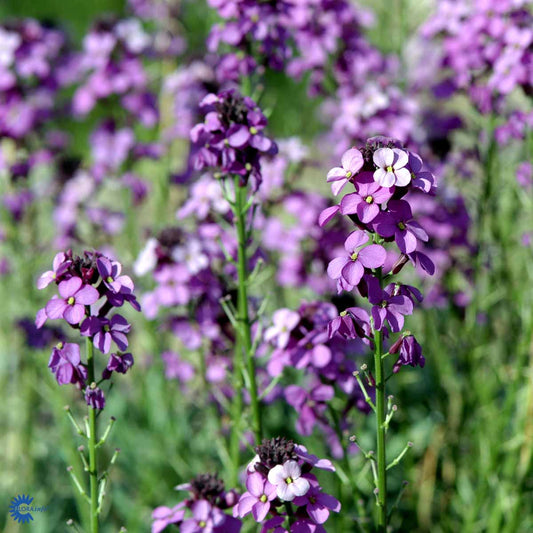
(263,498)
(389,169)
(348,174)
(344,313)
(202,523)
(401,225)
(354,256)
(253,130)
(110,279)
(288,480)
(369,199)
(71,300)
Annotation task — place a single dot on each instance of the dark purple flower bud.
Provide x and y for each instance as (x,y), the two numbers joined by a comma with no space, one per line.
(410,353)
(94,397)
(120,363)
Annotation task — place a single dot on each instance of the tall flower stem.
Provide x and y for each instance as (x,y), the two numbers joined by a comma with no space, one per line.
(93,468)
(243,317)
(244,358)
(380,429)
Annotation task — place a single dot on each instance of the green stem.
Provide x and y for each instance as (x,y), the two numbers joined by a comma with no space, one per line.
(243,317)
(93,468)
(243,339)
(380,427)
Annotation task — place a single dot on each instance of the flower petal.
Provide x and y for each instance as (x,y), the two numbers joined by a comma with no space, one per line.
(372,256)
(334,268)
(300,486)
(352,160)
(276,476)
(353,272)
(69,287)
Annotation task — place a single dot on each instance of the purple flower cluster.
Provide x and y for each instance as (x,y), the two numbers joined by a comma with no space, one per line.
(299,36)
(304,340)
(110,65)
(382,173)
(280,477)
(190,275)
(202,511)
(486,47)
(30,75)
(90,287)
(231,138)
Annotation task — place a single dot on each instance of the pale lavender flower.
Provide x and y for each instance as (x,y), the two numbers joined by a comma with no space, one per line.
(71,305)
(352,162)
(351,267)
(260,492)
(391,169)
(288,481)
(284,321)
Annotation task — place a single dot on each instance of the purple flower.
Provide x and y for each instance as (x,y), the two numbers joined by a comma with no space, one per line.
(94,397)
(120,363)
(391,169)
(257,500)
(164,516)
(284,321)
(366,201)
(176,368)
(65,364)
(60,266)
(398,222)
(110,273)
(387,307)
(204,518)
(74,297)
(318,504)
(353,322)
(231,137)
(421,179)
(524,175)
(352,266)
(103,331)
(288,481)
(410,352)
(311,352)
(351,161)
(313,460)
(309,405)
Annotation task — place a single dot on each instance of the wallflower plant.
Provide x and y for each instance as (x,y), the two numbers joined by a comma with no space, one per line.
(90,288)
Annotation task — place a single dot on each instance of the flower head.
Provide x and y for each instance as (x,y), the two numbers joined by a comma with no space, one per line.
(390,163)
(74,296)
(351,161)
(288,480)
(351,267)
(65,364)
